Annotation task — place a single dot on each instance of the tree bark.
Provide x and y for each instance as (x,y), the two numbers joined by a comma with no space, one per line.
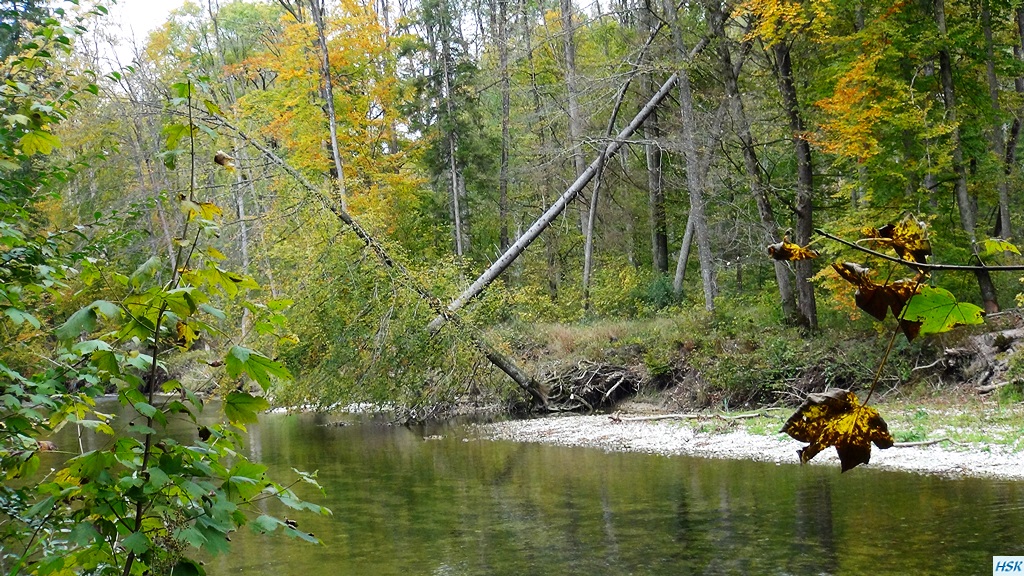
(655,192)
(965,203)
(451,137)
(556,209)
(684,258)
(572,87)
(806,304)
(506,107)
(694,173)
(997,136)
(575,124)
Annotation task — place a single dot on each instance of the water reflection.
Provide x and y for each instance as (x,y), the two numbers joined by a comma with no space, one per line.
(406,506)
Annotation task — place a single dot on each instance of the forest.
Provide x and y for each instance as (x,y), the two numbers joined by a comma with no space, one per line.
(427,205)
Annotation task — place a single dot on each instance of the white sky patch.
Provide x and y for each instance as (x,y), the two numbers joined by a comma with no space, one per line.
(141,16)
(131,21)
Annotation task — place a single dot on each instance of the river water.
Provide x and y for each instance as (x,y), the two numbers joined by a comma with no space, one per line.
(405,505)
(436,500)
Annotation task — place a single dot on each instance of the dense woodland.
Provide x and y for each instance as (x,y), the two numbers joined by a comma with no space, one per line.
(321,181)
(442,131)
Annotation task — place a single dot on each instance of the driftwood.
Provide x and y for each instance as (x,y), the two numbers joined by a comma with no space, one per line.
(589,386)
(988,388)
(926,443)
(616,418)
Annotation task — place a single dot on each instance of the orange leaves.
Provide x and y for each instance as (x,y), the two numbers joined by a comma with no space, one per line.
(837,418)
(852,112)
(775,20)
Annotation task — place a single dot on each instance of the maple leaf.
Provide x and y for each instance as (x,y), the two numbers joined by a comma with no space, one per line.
(837,418)
(939,311)
(907,237)
(786,250)
(995,246)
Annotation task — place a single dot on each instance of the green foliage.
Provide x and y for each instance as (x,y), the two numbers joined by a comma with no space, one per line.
(938,311)
(134,505)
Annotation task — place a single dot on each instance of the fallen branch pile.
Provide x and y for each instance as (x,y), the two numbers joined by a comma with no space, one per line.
(589,386)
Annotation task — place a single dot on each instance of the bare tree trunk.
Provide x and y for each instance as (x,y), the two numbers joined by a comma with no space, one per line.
(1018,84)
(506,108)
(317,10)
(997,136)
(806,303)
(684,258)
(572,88)
(559,205)
(716,20)
(965,204)
(694,173)
(445,38)
(655,180)
(656,194)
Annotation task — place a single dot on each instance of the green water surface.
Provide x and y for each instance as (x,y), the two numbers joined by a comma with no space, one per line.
(459,505)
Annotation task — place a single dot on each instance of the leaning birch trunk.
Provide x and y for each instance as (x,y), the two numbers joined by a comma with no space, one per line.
(684,257)
(531,234)
(499,360)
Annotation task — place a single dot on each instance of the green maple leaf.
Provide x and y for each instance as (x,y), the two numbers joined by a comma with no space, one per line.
(939,311)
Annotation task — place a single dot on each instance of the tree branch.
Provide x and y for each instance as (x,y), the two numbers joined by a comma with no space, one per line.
(924,267)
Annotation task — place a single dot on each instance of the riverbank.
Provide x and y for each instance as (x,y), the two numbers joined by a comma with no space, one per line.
(710,436)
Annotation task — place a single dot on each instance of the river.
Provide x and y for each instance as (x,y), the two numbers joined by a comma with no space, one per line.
(437,500)
(405,505)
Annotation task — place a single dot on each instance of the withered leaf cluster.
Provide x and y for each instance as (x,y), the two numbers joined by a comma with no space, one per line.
(879,299)
(786,250)
(837,418)
(907,237)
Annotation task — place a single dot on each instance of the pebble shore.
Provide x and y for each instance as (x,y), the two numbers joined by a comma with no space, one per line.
(674,437)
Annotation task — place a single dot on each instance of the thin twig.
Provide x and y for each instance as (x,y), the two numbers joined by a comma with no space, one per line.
(927,443)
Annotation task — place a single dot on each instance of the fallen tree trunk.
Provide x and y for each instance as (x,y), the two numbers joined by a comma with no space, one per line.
(534,231)
(501,361)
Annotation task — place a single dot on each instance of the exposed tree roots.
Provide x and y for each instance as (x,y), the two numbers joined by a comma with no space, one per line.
(589,386)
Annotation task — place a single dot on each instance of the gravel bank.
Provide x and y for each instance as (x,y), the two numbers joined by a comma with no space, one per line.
(670,437)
